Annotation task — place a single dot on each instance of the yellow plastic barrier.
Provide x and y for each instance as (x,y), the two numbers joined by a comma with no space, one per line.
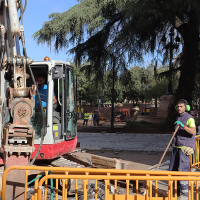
(152,179)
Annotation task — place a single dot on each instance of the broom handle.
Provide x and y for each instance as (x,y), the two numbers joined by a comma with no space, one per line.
(167,147)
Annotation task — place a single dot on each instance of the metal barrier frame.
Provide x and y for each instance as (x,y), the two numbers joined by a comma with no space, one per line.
(112,174)
(151,178)
(194,158)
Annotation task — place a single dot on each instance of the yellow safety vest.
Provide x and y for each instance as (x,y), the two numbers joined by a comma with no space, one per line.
(86,115)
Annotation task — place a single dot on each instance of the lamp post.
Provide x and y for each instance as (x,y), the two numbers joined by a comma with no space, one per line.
(113,92)
(145,88)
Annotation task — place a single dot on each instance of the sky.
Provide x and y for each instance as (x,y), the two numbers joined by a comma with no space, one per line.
(35,15)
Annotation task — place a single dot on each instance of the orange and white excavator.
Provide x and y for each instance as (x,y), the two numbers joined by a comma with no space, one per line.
(21,143)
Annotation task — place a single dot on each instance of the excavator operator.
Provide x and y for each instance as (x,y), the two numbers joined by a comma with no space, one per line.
(37,116)
(37,121)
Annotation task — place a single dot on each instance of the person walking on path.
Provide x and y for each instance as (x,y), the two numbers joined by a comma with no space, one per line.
(94,118)
(86,116)
(97,117)
(183,144)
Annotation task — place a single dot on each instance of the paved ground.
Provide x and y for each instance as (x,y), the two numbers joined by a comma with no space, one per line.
(124,141)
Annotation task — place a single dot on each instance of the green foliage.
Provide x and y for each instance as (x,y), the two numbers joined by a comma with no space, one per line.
(128,85)
(116,32)
(143,123)
(159,86)
(130,82)
(91,86)
(86,85)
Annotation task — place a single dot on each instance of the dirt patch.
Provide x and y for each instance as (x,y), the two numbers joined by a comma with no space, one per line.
(141,160)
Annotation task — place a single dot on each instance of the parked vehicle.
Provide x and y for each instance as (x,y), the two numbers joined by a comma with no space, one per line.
(119,116)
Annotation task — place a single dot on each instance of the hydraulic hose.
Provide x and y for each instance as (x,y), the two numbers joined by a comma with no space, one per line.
(2,54)
(21,13)
(51,180)
(23,44)
(43,119)
(22,32)
(2,47)
(22,10)
(35,179)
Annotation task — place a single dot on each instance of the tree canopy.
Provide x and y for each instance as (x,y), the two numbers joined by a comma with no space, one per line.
(129,85)
(126,30)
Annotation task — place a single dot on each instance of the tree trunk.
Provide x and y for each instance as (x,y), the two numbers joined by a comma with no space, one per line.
(156,99)
(189,65)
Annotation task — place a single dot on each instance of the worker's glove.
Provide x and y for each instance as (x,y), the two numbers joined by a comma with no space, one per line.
(187,150)
(179,123)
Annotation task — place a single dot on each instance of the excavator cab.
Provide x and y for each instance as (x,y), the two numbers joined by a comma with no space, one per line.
(60,118)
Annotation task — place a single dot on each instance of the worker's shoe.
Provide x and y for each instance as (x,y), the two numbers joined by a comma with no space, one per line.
(182,197)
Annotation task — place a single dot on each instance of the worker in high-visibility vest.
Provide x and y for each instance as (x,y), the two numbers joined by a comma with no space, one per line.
(86,116)
(183,145)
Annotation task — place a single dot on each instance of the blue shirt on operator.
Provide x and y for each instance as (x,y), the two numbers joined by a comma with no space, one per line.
(43,96)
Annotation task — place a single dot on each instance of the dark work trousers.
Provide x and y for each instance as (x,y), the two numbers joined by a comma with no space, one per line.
(85,120)
(180,162)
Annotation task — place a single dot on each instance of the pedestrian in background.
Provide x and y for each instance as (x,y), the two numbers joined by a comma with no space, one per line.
(94,118)
(97,117)
(86,116)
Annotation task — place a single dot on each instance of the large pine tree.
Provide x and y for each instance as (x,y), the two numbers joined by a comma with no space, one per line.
(101,29)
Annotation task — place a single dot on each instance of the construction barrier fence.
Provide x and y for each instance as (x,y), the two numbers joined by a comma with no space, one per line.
(194,159)
(59,182)
(138,184)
